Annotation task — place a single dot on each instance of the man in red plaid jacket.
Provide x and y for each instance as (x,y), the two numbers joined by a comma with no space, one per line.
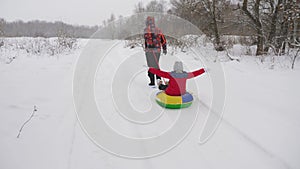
(154,41)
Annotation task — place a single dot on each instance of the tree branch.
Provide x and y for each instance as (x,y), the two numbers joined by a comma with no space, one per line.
(294,59)
(248,13)
(32,114)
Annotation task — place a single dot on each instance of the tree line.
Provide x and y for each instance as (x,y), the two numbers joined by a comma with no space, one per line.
(273,24)
(44,29)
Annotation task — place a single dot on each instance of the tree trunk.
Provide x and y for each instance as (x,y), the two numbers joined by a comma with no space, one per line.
(272,32)
(218,45)
(255,18)
(281,44)
(260,44)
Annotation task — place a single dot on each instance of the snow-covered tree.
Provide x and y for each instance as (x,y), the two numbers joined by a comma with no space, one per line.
(139,7)
(43,29)
(275,23)
(2,22)
(252,10)
(65,39)
(111,26)
(156,6)
(206,14)
(152,6)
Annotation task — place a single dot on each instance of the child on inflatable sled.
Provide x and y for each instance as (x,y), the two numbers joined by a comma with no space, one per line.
(177,79)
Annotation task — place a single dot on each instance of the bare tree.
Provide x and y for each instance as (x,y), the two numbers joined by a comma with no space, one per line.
(206,14)
(152,6)
(156,6)
(111,26)
(214,10)
(2,21)
(255,16)
(66,39)
(292,21)
(139,8)
(275,23)
(272,23)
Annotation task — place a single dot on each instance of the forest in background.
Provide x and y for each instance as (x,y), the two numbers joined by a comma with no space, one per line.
(272,25)
(45,29)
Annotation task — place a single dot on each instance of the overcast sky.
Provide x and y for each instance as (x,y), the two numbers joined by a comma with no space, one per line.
(83,12)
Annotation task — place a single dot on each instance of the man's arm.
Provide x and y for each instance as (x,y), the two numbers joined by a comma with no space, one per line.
(195,73)
(163,41)
(145,38)
(159,73)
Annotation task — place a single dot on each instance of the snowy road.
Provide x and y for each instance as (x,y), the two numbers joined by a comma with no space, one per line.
(260,126)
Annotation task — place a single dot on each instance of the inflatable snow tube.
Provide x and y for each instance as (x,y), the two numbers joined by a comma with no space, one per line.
(174,102)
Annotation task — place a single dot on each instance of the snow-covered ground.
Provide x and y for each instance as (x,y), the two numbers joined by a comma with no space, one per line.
(260,126)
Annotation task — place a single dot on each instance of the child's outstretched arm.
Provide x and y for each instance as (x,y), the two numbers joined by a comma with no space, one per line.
(196,73)
(159,72)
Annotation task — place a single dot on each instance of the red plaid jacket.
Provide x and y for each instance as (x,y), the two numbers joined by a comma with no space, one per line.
(154,38)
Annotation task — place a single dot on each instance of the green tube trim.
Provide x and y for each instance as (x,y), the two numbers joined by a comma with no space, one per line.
(174,106)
